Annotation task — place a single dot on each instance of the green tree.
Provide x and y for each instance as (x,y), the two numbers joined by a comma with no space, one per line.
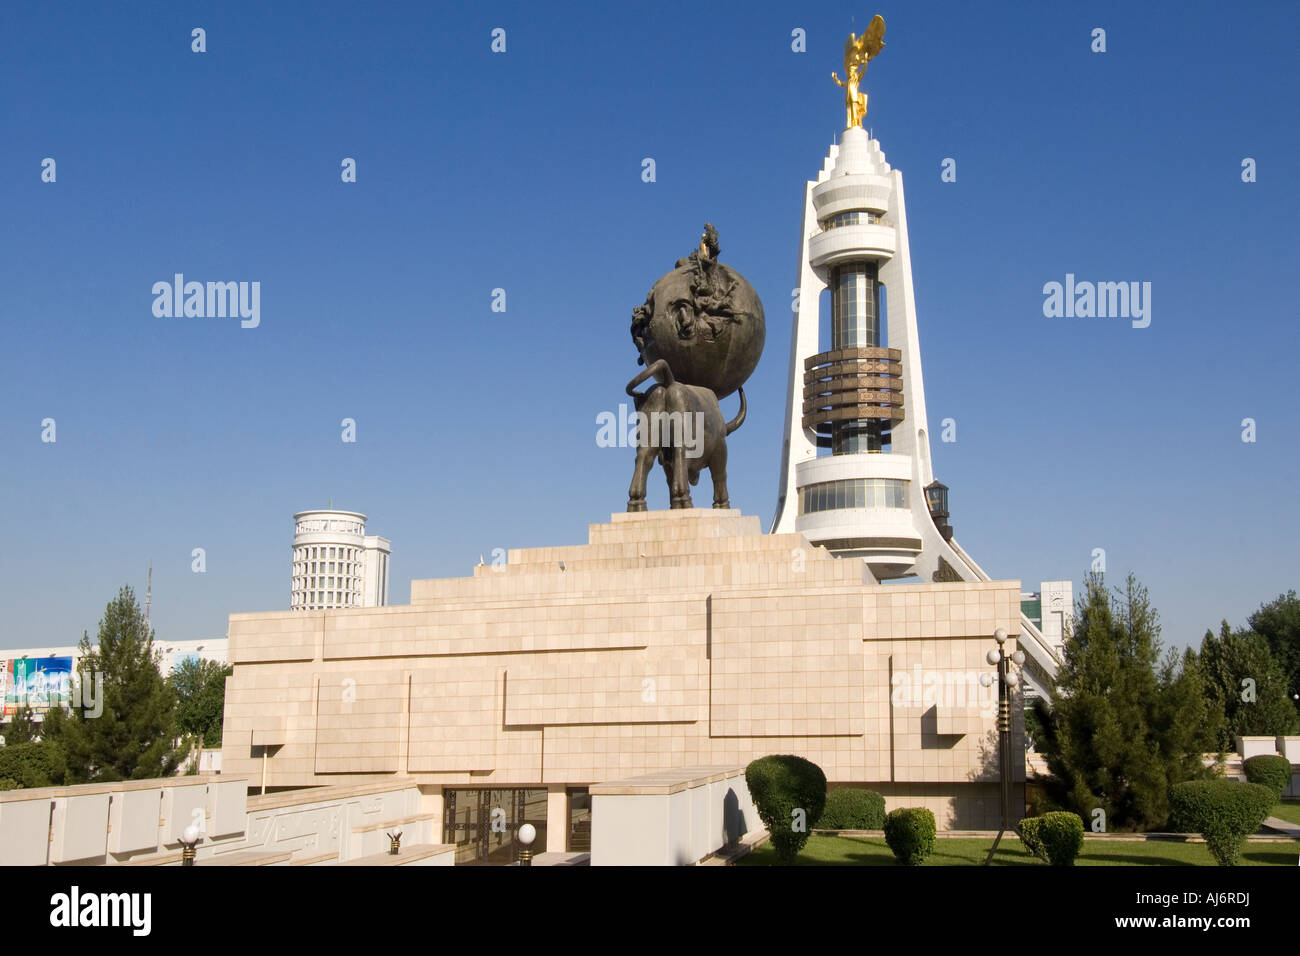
(1185,718)
(21,728)
(130,733)
(200,687)
(1245,678)
(1123,726)
(37,764)
(789,794)
(1278,622)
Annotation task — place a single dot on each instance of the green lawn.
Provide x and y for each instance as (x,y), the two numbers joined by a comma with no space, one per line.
(872,851)
(1288,810)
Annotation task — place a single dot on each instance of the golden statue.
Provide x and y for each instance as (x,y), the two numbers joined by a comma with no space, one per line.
(858,52)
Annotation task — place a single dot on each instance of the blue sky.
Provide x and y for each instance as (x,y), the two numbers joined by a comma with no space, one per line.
(522,171)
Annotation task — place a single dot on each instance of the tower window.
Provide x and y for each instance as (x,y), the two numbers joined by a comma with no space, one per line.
(853,493)
(854,217)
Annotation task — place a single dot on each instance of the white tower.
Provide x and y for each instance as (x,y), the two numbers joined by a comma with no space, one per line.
(335,563)
(856,458)
(855,465)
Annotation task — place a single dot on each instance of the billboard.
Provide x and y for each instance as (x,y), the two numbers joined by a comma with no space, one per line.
(184,658)
(40,681)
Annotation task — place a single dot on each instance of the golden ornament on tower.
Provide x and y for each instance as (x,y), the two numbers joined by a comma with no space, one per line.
(858,52)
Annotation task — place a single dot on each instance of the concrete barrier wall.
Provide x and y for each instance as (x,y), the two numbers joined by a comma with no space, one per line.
(348,822)
(1289,747)
(670,819)
(1255,746)
(114,822)
(98,824)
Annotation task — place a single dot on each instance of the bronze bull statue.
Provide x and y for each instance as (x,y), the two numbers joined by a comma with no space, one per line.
(682,426)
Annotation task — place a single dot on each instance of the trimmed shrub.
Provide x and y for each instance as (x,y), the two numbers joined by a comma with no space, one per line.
(851,808)
(790,795)
(1225,812)
(37,764)
(8,783)
(1030,835)
(1269,770)
(909,831)
(1061,837)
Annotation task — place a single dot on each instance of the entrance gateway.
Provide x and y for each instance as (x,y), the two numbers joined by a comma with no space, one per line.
(482,823)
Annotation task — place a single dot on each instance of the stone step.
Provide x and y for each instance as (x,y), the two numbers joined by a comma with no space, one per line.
(679,523)
(167,858)
(707,551)
(233,858)
(409,856)
(584,584)
(692,564)
(316,859)
(247,858)
(403,822)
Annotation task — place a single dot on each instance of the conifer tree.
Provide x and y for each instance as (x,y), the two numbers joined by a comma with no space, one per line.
(133,735)
(1278,622)
(1123,726)
(1247,681)
(21,728)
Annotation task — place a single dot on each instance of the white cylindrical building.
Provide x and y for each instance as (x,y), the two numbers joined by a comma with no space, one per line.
(335,563)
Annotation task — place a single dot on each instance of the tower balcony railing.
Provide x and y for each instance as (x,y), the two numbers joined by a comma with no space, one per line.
(868,219)
(828,247)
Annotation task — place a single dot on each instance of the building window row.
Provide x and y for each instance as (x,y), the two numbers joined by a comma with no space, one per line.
(322,600)
(319,525)
(853,493)
(325,552)
(854,217)
(326,567)
(351,583)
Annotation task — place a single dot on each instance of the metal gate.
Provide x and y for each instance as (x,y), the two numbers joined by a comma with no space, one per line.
(482,823)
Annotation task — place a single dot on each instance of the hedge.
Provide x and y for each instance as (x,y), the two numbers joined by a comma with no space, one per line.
(1029,829)
(1225,812)
(851,808)
(1054,838)
(910,831)
(1270,770)
(790,795)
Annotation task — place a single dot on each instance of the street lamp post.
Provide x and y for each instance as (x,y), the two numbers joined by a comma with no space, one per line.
(1003,660)
(526,835)
(189,839)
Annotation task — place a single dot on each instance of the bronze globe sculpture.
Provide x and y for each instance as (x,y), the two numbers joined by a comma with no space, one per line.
(704,319)
(700,335)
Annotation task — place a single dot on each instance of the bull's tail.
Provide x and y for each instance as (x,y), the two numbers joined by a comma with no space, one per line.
(740,415)
(661,372)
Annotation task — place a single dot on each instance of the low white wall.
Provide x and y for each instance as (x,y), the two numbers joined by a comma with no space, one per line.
(348,822)
(1289,747)
(112,822)
(1255,746)
(670,819)
(98,824)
